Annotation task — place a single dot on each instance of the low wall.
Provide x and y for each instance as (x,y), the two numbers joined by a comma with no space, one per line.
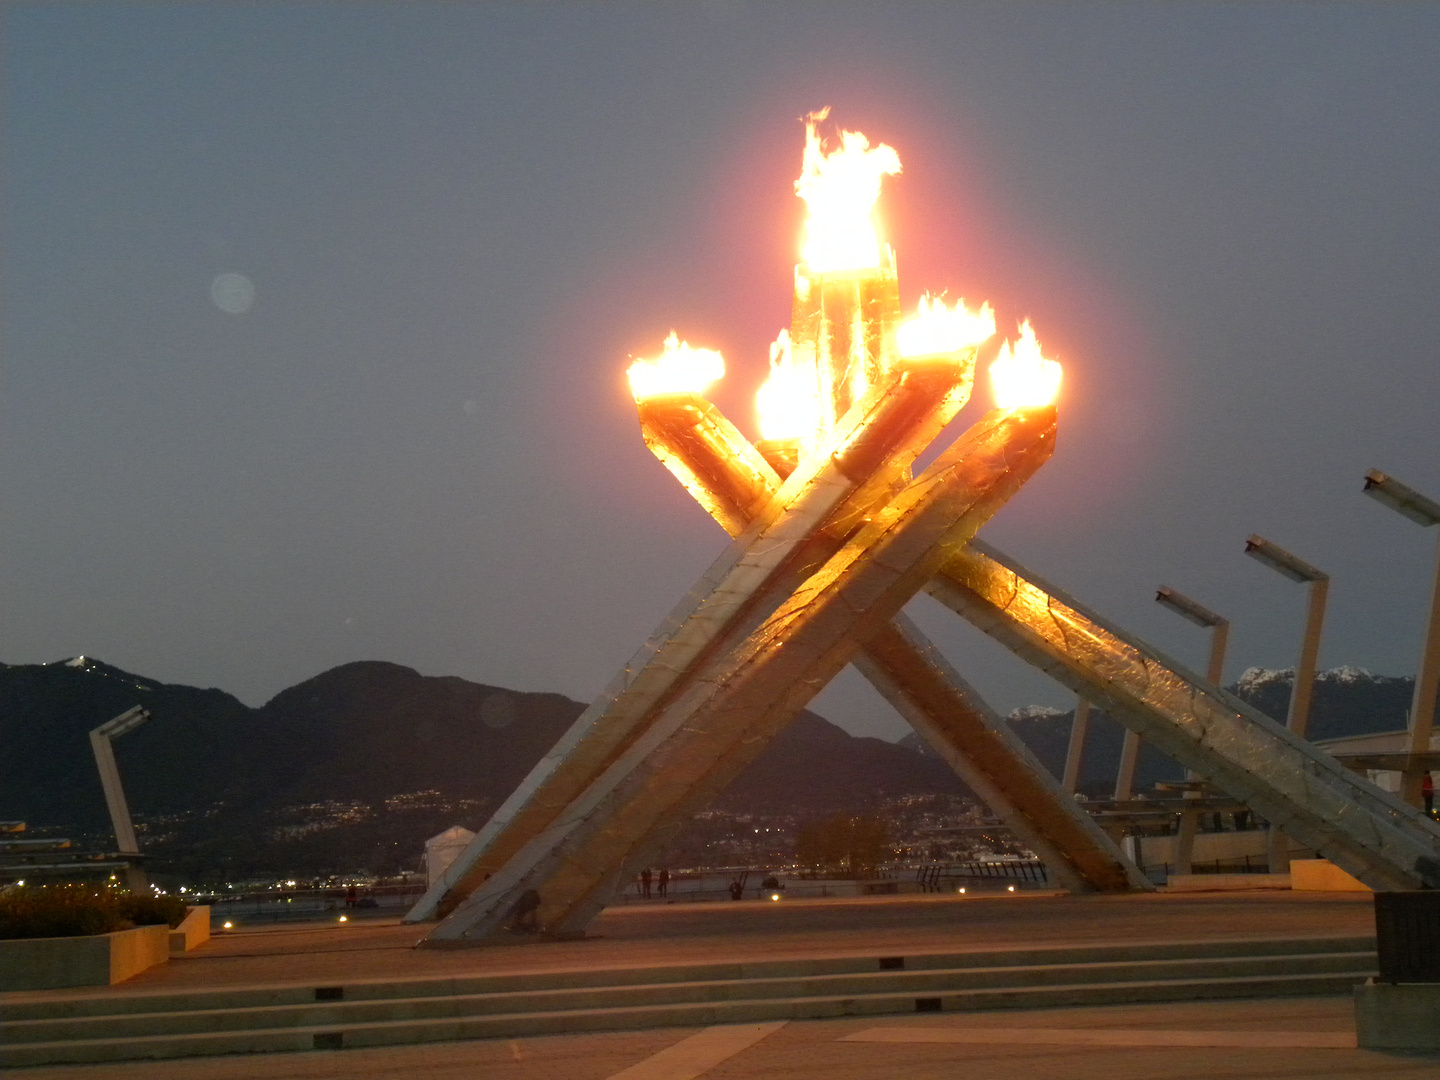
(1225,882)
(97,960)
(193,931)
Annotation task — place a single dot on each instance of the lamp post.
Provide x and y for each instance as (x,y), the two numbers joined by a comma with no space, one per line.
(1219,634)
(1426,512)
(1296,569)
(1076,750)
(1219,629)
(1298,717)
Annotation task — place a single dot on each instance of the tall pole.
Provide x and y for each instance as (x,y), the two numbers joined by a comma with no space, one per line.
(1277,847)
(1298,719)
(1125,776)
(1215,671)
(1219,639)
(1424,511)
(100,744)
(1427,688)
(1076,750)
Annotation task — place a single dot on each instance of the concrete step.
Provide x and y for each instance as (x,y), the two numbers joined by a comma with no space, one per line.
(924,982)
(517,1025)
(544,1003)
(120,1000)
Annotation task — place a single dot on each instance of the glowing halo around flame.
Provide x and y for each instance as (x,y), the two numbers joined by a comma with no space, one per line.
(936,329)
(680,369)
(1021,377)
(840,189)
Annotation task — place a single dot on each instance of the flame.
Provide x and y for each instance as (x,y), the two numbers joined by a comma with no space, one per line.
(789,401)
(840,190)
(938,329)
(1021,377)
(680,369)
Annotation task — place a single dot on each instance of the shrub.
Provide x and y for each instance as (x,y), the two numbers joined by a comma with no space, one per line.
(78,910)
(151,910)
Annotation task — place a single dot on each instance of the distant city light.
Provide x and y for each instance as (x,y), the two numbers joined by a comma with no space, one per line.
(1010,888)
(343,918)
(229,926)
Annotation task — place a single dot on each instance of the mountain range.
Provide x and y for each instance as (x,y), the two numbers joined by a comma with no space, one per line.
(352,767)
(356,766)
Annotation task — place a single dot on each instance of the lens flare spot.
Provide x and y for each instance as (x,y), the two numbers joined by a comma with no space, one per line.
(233,293)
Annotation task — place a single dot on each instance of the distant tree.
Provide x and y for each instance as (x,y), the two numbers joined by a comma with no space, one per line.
(842,843)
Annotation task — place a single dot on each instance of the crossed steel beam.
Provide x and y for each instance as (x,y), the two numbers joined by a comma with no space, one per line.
(821,563)
(723,471)
(826,563)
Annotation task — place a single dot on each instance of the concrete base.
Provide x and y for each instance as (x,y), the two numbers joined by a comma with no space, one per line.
(98,960)
(1397,1016)
(1321,875)
(1226,882)
(193,931)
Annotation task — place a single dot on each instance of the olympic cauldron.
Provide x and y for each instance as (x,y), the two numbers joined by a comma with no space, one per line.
(833,533)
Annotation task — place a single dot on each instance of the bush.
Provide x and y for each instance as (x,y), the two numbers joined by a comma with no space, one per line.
(151,910)
(79,910)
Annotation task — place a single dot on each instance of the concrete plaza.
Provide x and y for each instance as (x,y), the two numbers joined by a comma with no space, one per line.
(1267,1037)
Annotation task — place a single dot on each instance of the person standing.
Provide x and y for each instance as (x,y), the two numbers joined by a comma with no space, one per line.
(664,881)
(1427,792)
(645,883)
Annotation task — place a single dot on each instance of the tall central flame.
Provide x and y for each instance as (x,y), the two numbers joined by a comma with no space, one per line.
(840,190)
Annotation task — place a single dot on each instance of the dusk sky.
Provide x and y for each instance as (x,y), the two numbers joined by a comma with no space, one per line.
(316,316)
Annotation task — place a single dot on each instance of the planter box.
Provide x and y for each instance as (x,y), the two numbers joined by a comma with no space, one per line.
(98,960)
(1404,1016)
(193,931)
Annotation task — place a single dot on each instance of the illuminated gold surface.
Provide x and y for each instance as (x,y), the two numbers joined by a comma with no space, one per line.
(910,673)
(734,704)
(1296,787)
(797,530)
(716,464)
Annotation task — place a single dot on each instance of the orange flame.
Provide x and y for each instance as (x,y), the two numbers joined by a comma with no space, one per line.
(680,369)
(1021,377)
(789,400)
(840,189)
(938,330)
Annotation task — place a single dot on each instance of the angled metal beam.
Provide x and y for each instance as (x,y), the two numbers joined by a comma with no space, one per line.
(1289,782)
(997,765)
(125,841)
(560,880)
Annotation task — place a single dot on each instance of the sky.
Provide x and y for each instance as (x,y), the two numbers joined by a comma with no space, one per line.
(316,316)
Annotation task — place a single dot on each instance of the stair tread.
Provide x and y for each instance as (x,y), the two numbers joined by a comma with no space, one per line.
(1182,969)
(499,1019)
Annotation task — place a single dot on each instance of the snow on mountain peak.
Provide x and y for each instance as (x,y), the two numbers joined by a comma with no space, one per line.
(1034,712)
(1346,673)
